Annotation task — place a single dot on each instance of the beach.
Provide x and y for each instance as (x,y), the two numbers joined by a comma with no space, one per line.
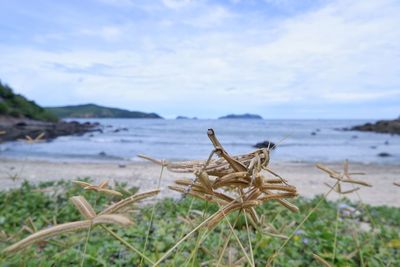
(305,176)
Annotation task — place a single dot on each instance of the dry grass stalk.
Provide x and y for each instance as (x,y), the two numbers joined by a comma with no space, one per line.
(217,167)
(233,182)
(321,261)
(112,219)
(397,184)
(102,187)
(344,177)
(47,233)
(107,216)
(83,206)
(39,138)
(128,201)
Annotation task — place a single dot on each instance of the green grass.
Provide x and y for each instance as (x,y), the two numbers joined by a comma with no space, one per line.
(378,247)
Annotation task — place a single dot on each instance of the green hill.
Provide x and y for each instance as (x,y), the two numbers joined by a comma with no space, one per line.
(96,111)
(17,106)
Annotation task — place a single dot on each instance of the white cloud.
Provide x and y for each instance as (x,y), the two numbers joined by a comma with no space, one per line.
(176,4)
(343,52)
(108,33)
(215,16)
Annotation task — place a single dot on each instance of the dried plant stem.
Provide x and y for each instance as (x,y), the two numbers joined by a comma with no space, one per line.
(239,242)
(249,239)
(127,201)
(184,238)
(123,241)
(355,236)
(336,232)
(321,260)
(226,243)
(199,240)
(152,215)
(85,246)
(47,233)
(270,260)
(182,233)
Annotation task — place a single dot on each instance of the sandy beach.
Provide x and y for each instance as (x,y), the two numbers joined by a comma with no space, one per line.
(308,179)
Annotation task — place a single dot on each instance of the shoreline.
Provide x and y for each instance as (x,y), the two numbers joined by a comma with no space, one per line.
(304,175)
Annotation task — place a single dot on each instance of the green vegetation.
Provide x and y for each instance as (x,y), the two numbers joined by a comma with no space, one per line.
(95,111)
(48,203)
(18,106)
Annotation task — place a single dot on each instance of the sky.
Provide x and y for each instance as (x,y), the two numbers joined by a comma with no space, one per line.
(277,58)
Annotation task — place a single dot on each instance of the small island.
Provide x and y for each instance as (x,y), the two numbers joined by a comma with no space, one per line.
(185,118)
(241,116)
(97,111)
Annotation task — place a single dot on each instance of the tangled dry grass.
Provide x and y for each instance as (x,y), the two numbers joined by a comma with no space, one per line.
(234,183)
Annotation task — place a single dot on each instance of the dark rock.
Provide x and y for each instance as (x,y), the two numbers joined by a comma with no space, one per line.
(20,124)
(384,155)
(354,137)
(121,165)
(382,126)
(386,142)
(102,153)
(120,130)
(19,128)
(265,144)
(373,147)
(313,133)
(317,130)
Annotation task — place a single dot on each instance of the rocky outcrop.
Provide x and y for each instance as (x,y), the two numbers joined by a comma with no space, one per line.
(17,128)
(265,144)
(383,126)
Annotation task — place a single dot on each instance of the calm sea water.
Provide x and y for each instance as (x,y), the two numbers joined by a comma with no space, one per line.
(187,139)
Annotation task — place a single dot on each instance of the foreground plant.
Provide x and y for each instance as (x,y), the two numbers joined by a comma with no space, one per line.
(379,247)
(109,215)
(343,178)
(233,182)
(102,187)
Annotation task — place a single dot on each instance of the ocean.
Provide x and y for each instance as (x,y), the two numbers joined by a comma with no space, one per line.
(123,139)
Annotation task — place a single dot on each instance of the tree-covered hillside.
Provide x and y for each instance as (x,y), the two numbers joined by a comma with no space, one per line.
(17,106)
(96,111)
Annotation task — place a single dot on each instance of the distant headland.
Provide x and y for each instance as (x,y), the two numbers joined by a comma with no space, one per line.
(21,118)
(97,111)
(241,116)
